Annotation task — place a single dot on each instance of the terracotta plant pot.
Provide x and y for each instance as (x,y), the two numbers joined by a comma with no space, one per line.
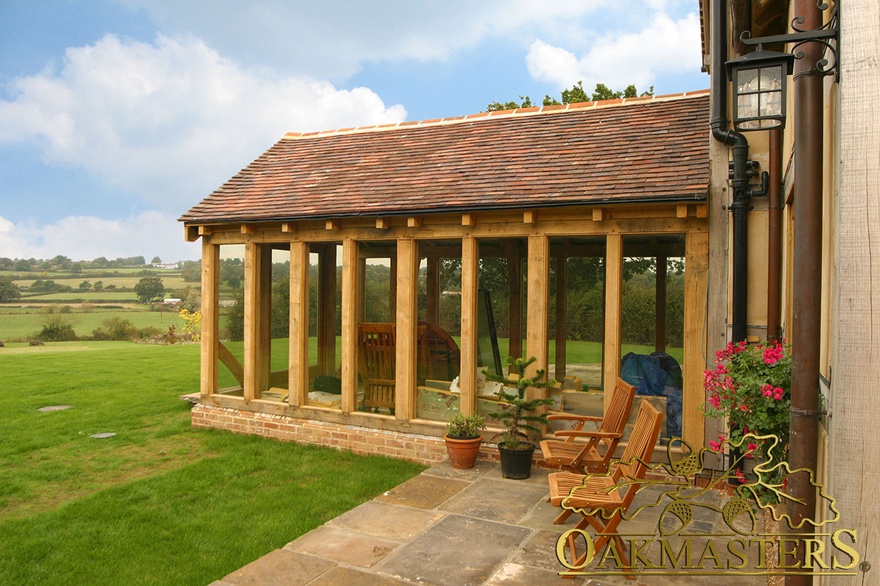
(462,452)
(516,464)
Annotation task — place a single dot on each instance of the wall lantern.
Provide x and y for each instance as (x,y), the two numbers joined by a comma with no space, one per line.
(759,78)
(759,89)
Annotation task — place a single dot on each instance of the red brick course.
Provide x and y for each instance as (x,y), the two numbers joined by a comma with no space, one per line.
(359,440)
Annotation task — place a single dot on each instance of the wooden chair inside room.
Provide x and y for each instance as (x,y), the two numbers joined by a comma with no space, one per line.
(590,450)
(603,500)
(439,355)
(376,364)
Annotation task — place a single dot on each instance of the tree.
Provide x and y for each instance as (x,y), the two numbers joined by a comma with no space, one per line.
(149,289)
(8,289)
(574,95)
(192,271)
(524,102)
(156,261)
(60,262)
(85,286)
(232,272)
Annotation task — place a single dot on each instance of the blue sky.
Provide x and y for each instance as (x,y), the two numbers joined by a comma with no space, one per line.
(116,116)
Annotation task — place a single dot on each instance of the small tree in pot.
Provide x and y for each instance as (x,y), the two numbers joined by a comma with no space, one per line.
(463,439)
(520,418)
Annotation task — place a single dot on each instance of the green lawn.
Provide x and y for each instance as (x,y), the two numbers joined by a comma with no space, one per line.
(158,503)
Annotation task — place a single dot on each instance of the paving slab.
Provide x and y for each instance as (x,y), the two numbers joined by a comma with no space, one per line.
(340,576)
(456,551)
(423,491)
(496,500)
(542,514)
(386,520)
(511,574)
(540,551)
(281,567)
(481,468)
(341,545)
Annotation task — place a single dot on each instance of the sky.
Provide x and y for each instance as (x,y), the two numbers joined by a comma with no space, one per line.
(117,116)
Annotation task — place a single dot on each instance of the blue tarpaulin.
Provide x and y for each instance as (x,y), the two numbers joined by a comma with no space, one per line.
(656,374)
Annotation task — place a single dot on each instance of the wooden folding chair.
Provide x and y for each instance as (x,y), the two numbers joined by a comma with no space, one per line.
(376,363)
(585,456)
(602,500)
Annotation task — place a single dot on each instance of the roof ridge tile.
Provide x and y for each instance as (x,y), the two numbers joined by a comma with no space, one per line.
(529,111)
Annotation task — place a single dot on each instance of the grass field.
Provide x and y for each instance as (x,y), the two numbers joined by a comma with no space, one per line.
(81,297)
(23,323)
(158,503)
(170,280)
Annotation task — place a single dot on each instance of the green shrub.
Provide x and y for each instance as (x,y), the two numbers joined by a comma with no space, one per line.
(115,328)
(57,326)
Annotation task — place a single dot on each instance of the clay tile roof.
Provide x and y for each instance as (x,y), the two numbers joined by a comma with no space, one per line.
(604,152)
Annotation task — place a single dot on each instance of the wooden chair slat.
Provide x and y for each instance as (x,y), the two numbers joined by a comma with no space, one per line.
(609,495)
(585,456)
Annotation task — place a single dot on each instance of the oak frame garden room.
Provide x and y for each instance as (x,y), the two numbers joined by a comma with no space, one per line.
(428,251)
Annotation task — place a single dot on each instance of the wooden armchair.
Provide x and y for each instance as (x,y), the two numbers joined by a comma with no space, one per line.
(603,500)
(439,356)
(376,364)
(585,456)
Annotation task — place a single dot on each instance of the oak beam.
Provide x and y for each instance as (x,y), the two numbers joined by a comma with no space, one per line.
(407,316)
(326,316)
(696,282)
(470,263)
(352,293)
(432,290)
(298,360)
(538,294)
(256,319)
(561,321)
(210,334)
(515,284)
(613,300)
(660,306)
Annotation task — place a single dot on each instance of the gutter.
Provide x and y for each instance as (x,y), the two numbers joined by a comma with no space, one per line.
(740,183)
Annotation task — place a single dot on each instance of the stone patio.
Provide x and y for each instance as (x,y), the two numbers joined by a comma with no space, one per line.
(447,527)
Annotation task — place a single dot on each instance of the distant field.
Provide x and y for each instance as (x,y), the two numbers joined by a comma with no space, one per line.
(17,324)
(170,280)
(80,296)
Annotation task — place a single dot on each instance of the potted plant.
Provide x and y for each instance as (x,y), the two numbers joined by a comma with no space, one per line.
(520,418)
(463,439)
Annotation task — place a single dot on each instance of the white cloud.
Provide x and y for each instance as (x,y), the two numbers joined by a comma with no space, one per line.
(170,121)
(619,59)
(330,39)
(147,234)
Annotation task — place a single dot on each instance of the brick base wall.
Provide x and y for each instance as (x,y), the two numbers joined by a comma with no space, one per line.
(422,449)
